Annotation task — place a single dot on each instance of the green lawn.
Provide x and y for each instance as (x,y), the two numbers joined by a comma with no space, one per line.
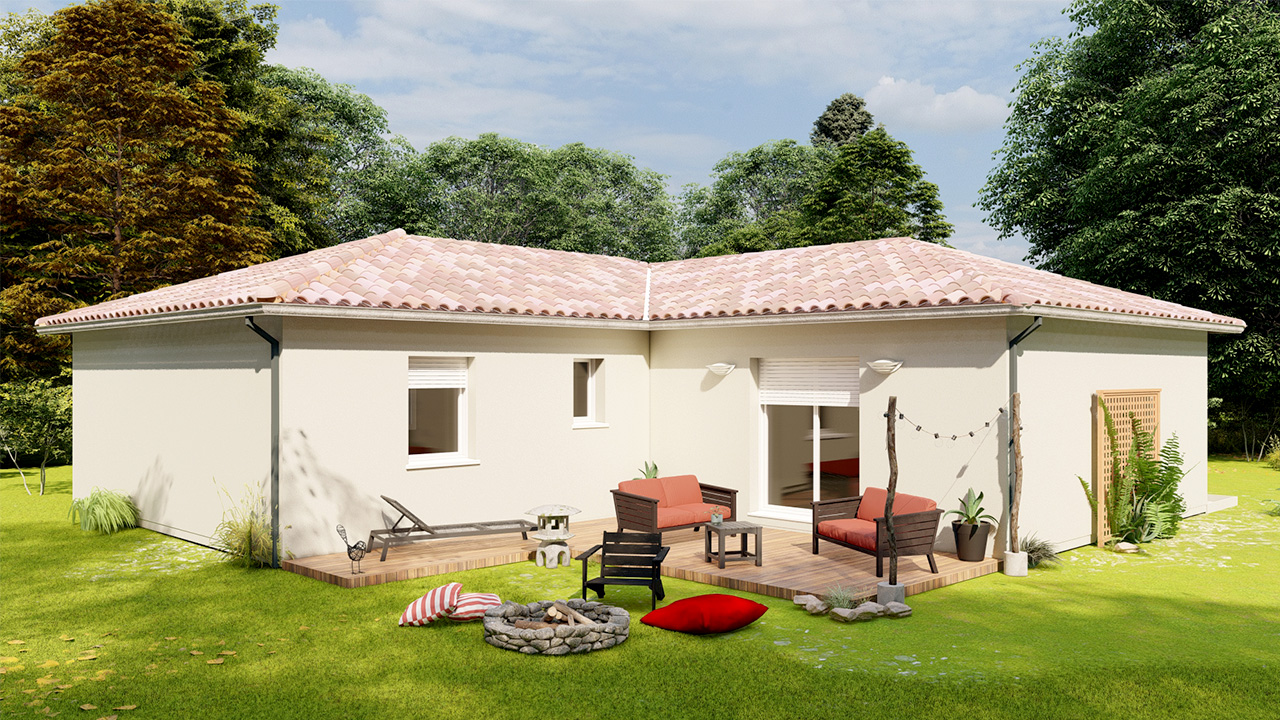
(1189,630)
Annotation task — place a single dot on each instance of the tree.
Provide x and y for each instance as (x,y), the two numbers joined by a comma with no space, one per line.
(868,188)
(846,119)
(35,419)
(753,198)
(500,190)
(116,174)
(1144,153)
(873,190)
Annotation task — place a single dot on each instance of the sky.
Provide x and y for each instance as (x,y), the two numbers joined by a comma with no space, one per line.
(680,84)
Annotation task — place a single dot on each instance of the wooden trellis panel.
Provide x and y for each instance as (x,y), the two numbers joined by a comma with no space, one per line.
(1142,404)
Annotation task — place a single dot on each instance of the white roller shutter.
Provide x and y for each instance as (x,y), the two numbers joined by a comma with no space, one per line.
(831,382)
(427,373)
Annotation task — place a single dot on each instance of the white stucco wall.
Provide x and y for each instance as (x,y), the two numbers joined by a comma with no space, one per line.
(344,424)
(161,412)
(954,376)
(1059,369)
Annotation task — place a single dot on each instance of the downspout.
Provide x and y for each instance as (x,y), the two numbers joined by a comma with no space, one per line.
(1013,388)
(275,438)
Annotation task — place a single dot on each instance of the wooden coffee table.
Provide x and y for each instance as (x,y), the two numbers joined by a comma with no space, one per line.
(723,530)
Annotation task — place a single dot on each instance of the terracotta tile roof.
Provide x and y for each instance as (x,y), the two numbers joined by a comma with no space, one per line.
(395,270)
(880,274)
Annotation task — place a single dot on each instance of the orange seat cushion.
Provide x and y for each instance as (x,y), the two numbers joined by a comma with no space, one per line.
(873,498)
(850,530)
(671,517)
(681,490)
(647,487)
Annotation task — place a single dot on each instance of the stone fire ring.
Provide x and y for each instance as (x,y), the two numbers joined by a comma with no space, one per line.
(612,626)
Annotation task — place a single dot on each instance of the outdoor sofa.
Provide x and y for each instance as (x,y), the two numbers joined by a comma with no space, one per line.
(670,503)
(858,523)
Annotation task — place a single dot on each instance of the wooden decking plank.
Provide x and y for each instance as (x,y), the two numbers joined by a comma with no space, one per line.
(789,566)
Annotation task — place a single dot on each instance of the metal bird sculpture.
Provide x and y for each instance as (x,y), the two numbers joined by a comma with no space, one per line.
(355,552)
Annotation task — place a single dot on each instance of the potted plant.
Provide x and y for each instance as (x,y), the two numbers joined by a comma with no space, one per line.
(717,515)
(972,528)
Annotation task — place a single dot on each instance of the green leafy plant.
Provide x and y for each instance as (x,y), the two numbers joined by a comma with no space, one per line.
(245,531)
(971,511)
(1142,501)
(1274,510)
(1039,552)
(650,470)
(839,596)
(104,511)
(1272,458)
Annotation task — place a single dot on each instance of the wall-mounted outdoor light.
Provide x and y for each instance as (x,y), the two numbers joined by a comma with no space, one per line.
(721,368)
(885,367)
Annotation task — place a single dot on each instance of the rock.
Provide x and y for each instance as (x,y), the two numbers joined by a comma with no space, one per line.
(897,610)
(804,600)
(558,650)
(817,607)
(544,633)
(843,614)
(529,650)
(573,642)
(527,634)
(539,645)
(1126,547)
(557,642)
(564,631)
(868,611)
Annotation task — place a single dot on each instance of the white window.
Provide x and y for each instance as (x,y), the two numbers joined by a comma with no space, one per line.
(438,412)
(588,397)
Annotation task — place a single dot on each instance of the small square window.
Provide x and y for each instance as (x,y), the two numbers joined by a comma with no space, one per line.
(588,405)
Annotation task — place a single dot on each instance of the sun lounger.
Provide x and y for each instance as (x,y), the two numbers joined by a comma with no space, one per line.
(416,530)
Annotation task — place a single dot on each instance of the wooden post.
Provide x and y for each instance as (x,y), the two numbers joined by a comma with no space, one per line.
(1015,424)
(893,489)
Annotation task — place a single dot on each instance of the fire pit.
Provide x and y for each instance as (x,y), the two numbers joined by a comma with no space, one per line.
(588,626)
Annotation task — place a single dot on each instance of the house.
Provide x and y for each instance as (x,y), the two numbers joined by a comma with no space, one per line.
(474,381)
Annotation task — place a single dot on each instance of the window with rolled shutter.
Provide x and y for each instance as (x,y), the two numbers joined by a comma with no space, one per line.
(830,382)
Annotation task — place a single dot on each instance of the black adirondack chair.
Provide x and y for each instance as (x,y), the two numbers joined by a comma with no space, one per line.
(627,558)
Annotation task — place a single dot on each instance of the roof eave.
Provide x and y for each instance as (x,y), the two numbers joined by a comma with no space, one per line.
(491,318)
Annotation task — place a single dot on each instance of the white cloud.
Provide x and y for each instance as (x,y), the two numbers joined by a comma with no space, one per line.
(977,237)
(914,105)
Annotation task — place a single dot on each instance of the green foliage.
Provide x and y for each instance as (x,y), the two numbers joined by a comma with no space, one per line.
(1272,454)
(971,511)
(1143,503)
(104,511)
(650,470)
(116,171)
(753,201)
(35,421)
(1039,552)
(500,190)
(782,195)
(845,120)
(245,531)
(1142,153)
(839,596)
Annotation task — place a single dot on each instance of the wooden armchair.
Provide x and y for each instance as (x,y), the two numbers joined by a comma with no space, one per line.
(858,524)
(627,559)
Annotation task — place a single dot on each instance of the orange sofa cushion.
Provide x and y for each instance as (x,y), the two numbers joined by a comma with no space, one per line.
(647,487)
(682,490)
(670,517)
(850,530)
(872,505)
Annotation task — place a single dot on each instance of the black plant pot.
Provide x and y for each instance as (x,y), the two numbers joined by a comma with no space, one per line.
(971,540)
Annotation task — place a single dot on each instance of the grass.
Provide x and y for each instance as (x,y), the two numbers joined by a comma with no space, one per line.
(1190,629)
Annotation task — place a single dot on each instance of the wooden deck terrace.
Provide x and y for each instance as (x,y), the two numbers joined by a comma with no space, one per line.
(788,565)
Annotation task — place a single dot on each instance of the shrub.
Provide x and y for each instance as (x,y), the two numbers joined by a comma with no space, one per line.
(1039,552)
(245,531)
(104,511)
(1272,457)
(1142,502)
(839,596)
